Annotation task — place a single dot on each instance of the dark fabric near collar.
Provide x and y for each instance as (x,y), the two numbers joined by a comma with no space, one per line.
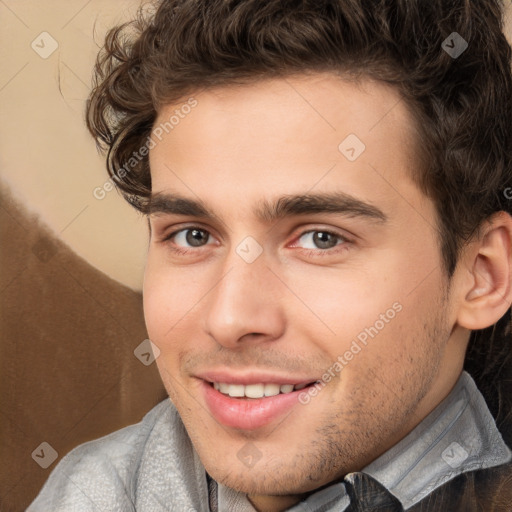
(368,495)
(485,490)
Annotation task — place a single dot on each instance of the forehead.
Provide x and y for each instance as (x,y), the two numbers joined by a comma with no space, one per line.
(287,135)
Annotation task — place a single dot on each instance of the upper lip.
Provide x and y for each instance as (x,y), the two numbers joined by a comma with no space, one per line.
(252,377)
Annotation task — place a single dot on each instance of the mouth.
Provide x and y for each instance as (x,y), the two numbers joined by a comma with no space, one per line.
(258,390)
(253,405)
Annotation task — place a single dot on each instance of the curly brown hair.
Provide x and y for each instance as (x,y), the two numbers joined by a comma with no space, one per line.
(462,104)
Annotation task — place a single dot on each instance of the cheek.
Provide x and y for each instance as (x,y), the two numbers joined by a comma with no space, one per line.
(171,297)
(371,313)
(338,303)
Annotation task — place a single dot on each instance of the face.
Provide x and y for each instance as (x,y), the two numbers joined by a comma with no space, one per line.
(294,282)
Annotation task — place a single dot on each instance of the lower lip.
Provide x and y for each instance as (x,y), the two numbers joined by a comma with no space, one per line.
(248,413)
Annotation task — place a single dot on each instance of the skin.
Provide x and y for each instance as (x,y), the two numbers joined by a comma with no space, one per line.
(298,307)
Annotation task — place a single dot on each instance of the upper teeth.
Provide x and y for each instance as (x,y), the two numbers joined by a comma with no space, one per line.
(255,390)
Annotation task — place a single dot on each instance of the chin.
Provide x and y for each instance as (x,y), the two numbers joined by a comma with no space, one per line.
(264,478)
(259,483)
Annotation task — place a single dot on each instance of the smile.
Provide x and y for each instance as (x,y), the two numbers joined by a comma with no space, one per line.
(256,390)
(252,405)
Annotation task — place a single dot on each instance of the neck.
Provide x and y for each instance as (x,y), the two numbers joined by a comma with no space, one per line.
(274,503)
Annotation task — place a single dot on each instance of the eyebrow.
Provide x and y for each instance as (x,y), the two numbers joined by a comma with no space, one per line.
(333,202)
(177,205)
(270,211)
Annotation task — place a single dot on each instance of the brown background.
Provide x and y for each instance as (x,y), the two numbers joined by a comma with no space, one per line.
(71,265)
(68,372)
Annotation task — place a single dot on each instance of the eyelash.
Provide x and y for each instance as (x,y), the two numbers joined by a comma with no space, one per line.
(344,244)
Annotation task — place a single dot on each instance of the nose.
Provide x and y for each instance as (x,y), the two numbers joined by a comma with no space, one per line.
(245,305)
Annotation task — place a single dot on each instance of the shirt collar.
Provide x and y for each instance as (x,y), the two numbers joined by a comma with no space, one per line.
(458,436)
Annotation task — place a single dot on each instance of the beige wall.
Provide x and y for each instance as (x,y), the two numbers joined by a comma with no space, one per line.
(46,155)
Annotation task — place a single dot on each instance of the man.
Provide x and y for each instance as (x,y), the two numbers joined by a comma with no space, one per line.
(327,191)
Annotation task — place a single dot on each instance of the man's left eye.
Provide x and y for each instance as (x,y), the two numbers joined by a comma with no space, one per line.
(319,240)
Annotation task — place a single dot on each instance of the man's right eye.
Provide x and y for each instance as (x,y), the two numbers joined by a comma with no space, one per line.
(190,237)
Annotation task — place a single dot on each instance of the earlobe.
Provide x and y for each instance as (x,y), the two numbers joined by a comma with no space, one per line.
(488,290)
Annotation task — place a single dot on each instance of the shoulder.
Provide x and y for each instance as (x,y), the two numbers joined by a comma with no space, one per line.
(99,474)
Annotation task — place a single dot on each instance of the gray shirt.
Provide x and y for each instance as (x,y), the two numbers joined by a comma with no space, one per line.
(152,466)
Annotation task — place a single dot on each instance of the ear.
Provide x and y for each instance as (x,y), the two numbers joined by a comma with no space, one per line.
(485,274)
